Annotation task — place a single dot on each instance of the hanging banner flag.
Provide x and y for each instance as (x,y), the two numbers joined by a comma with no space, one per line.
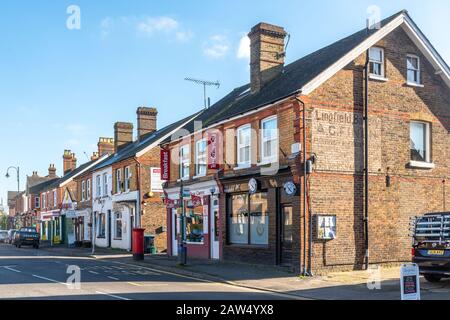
(165,165)
(196,201)
(213,150)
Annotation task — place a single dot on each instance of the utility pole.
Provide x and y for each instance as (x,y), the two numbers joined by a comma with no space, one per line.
(18,183)
(204,84)
(182,255)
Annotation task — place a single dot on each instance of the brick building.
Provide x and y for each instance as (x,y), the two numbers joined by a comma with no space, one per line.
(283,164)
(126,186)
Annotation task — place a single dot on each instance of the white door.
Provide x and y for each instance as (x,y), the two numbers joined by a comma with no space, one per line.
(174,233)
(214,225)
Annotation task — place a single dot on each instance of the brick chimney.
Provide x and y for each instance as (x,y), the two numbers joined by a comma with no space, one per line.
(95,156)
(105,146)
(67,161)
(74,161)
(146,120)
(52,171)
(266,54)
(123,135)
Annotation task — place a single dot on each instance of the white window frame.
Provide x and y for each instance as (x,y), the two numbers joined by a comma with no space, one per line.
(105,184)
(127,178)
(118,181)
(428,161)
(55,199)
(83,190)
(273,157)
(383,71)
(201,160)
(98,185)
(241,144)
(185,162)
(44,200)
(88,189)
(418,70)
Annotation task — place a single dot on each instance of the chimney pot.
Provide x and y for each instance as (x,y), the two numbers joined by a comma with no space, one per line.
(267,45)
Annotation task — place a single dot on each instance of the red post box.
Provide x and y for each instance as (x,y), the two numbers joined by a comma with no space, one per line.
(138,244)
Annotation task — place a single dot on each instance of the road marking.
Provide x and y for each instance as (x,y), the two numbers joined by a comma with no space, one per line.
(229,285)
(112,278)
(12,269)
(93,272)
(47,279)
(112,296)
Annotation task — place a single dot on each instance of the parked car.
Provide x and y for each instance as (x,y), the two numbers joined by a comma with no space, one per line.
(27,236)
(3,236)
(11,234)
(431,247)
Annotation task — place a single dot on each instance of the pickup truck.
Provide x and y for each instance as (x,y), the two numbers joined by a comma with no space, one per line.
(27,236)
(431,245)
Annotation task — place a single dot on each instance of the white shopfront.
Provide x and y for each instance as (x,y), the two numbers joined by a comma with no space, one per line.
(202,220)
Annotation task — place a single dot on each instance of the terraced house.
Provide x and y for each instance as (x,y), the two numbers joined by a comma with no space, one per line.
(317,165)
(127,186)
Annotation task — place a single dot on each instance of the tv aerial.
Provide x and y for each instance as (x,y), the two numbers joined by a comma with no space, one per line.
(205,83)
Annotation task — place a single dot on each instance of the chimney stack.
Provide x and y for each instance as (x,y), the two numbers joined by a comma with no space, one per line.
(74,161)
(266,54)
(123,135)
(105,146)
(52,171)
(95,156)
(67,161)
(147,121)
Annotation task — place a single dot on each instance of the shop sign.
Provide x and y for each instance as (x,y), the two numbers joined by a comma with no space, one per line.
(290,188)
(196,201)
(71,214)
(410,282)
(165,165)
(172,204)
(156,184)
(213,151)
(253,186)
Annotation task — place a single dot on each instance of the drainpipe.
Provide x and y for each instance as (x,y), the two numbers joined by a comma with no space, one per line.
(305,272)
(366,160)
(139,196)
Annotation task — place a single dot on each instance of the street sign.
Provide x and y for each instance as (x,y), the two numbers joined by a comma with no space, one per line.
(410,282)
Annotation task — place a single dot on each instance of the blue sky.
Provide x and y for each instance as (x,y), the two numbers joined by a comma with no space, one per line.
(62,89)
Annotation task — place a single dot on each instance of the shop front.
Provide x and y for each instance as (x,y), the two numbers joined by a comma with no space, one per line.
(82,225)
(201,205)
(52,226)
(262,220)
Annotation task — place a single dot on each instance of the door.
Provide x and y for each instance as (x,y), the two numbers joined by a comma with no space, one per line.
(286,234)
(175,229)
(214,225)
(109,222)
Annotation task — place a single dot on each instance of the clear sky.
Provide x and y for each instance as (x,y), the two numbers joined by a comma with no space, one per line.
(62,89)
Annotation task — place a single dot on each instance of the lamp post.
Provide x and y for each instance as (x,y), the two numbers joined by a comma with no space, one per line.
(183,248)
(18,178)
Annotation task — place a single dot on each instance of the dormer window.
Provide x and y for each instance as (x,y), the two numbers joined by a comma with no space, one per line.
(376,62)
(413,69)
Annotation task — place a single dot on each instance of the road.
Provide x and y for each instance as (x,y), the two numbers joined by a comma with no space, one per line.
(32,274)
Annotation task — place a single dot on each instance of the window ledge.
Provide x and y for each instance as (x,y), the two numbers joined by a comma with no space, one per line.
(199,176)
(378,78)
(267,162)
(412,84)
(183,179)
(421,165)
(242,167)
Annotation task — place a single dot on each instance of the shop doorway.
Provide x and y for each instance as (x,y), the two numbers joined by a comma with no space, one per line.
(286,234)
(214,228)
(109,221)
(174,233)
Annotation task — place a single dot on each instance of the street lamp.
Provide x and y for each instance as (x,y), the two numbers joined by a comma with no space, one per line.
(18,177)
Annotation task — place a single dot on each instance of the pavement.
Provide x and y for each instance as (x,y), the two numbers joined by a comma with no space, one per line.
(250,281)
